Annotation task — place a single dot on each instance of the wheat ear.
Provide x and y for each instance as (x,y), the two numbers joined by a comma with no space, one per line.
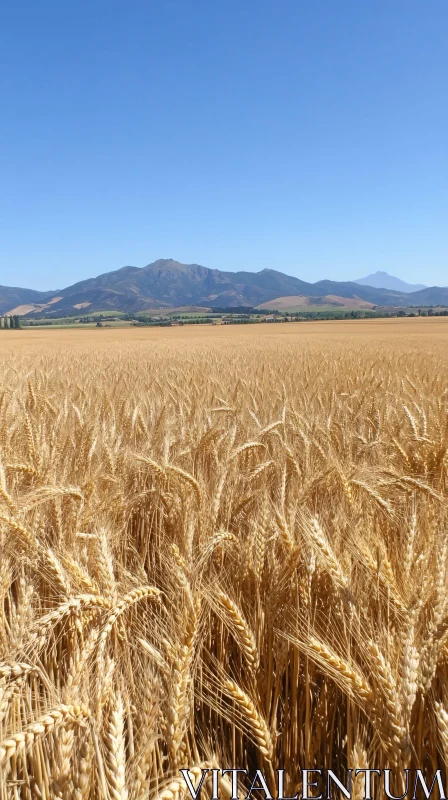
(115,753)
(256,723)
(61,715)
(241,629)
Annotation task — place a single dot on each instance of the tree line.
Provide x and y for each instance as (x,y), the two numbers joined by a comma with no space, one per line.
(12,321)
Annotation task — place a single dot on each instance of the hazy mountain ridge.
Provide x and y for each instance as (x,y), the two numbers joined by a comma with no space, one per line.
(168,283)
(382,280)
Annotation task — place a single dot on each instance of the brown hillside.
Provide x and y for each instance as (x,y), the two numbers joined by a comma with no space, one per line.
(292,301)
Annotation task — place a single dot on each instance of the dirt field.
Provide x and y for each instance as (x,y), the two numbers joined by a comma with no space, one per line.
(221,546)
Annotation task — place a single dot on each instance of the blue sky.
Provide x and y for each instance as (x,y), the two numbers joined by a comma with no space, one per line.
(308,136)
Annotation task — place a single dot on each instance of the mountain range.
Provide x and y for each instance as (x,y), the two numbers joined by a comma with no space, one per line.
(167,284)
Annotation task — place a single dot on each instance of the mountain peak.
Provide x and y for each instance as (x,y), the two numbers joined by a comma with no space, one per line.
(382,280)
(160,262)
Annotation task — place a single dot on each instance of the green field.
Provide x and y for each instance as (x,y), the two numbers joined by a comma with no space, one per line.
(120,319)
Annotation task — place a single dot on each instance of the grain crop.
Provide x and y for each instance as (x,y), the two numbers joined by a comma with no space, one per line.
(223,548)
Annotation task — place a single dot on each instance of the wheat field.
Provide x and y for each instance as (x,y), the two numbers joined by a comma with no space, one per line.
(221,547)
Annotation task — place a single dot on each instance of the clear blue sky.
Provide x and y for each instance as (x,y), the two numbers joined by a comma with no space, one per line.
(309,136)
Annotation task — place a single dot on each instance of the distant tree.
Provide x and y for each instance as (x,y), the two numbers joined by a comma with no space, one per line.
(6,325)
(17,322)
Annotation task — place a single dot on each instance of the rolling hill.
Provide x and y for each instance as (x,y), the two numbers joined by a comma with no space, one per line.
(297,302)
(166,284)
(11,297)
